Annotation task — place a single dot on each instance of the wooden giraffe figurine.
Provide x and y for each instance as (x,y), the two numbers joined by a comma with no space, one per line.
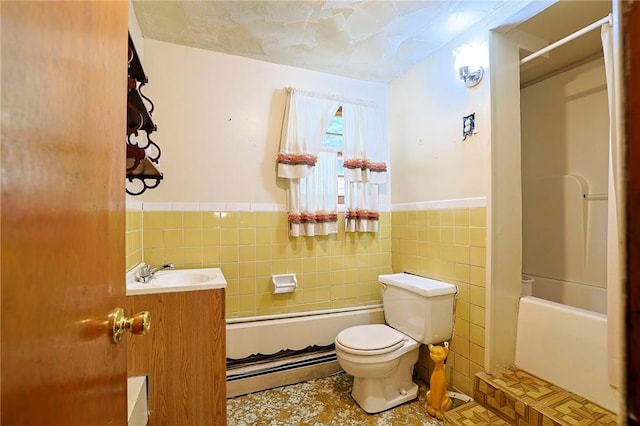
(438,400)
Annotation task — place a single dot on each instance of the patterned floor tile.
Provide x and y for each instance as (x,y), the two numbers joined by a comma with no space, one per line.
(528,388)
(575,410)
(525,400)
(321,402)
(472,414)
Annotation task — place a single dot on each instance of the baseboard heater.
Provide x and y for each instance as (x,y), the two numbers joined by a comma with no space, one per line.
(260,372)
(259,365)
(268,352)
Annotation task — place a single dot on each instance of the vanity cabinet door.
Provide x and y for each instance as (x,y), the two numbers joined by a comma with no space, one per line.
(184,356)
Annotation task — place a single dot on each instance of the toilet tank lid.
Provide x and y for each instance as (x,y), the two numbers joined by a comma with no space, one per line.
(421,285)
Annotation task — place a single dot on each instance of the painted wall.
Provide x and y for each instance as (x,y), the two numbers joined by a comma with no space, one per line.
(220,204)
(429,159)
(565,151)
(439,185)
(219,120)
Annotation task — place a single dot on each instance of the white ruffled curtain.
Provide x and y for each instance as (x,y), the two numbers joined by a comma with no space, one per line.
(363,170)
(311,175)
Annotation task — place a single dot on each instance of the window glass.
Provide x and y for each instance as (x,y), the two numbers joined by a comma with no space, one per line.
(333,140)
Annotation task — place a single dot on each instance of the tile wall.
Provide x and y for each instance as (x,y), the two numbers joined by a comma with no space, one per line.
(450,245)
(337,271)
(332,271)
(133,235)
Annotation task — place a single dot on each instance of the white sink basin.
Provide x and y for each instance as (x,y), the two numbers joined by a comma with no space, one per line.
(181,277)
(177,280)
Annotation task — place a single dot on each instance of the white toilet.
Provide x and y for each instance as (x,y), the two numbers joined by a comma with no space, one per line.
(380,357)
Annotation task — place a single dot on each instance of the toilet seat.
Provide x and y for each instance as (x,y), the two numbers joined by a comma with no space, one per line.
(370,339)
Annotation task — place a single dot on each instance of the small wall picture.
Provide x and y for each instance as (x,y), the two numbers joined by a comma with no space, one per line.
(468,125)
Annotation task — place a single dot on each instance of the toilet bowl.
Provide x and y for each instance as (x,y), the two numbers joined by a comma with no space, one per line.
(381,361)
(380,357)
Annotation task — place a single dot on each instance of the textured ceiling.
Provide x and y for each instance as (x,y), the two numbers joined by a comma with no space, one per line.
(375,40)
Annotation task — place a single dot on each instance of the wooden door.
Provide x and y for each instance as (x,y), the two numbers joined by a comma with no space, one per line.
(63,104)
(632,122)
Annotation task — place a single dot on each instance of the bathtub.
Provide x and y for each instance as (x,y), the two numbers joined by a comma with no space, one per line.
(578,295)
(566,346)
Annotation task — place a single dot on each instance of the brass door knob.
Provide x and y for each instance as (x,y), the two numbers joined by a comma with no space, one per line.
(140,324)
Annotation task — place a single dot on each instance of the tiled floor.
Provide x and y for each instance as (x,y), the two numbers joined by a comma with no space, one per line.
(523,399)
(321,402)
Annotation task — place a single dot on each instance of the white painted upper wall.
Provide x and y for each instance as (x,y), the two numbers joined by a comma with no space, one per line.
(429,159)
(219,120)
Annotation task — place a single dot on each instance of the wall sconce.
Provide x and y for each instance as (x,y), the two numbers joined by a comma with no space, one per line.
(471,77)
(467,63)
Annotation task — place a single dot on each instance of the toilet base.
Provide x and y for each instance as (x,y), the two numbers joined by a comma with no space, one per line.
(384,381)
(374,402)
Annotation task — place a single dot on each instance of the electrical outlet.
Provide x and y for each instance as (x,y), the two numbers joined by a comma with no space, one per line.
(468,125)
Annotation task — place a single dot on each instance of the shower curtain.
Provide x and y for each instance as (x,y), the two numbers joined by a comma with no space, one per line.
(615,211)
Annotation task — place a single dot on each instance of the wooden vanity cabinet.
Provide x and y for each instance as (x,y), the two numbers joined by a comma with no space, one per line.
(184,356)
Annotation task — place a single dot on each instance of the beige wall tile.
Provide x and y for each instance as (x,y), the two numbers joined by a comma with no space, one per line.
(247,236)
(461,272)
(230,220)
(335,271)
(211,219)
(447,217)
(192,220)
(478,295)
(152,220)
(462,310)
(478,256)
(462,365)
(462,383)
(462,236)
(476,354)
(173,238)
(461,346)
(193,237)
(462,217)
(476,335)
(172,220)
(461,254)
(153,238)
(478,217)
(478,237)
(478,275)
(229,236)
(477,315)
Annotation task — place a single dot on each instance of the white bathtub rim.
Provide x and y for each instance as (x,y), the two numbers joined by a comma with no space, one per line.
(580,295)
(573,356)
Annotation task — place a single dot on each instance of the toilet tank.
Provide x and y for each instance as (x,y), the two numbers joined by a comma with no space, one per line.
(420,307)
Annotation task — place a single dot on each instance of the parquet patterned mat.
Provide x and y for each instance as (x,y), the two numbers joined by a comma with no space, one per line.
(518,398)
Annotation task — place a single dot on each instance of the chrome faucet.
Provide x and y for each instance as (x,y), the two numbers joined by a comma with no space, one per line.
(146,271)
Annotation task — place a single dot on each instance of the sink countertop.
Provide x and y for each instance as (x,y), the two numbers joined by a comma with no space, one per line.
(171,281)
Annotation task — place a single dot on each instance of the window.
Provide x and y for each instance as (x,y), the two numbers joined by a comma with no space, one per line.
(333,141)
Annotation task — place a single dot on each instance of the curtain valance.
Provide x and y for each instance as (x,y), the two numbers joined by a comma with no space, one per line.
(311,175)
(306,118)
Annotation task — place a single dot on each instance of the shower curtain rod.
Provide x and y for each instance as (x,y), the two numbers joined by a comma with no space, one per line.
(606,20)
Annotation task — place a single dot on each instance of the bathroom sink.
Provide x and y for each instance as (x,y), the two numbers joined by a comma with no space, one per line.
(181,277)
(177,280)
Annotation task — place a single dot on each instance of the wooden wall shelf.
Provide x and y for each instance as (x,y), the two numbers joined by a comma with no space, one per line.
(141,173)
